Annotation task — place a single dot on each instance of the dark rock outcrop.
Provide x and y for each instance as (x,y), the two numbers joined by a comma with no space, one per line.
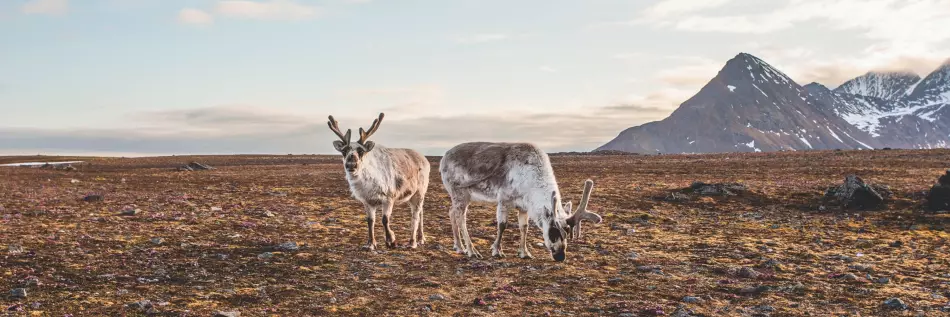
(856,194)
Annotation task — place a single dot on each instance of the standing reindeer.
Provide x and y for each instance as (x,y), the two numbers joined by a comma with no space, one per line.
(380,177)
(511,175)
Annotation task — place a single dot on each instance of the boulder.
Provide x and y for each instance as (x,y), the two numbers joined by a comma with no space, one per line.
(855,193)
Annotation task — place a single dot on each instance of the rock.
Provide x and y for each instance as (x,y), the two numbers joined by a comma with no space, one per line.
(18,293)
(692,299)
(131,212)
(74,181)
(883,280)
(157,241)
(748,273)
(717,189)
(848,277)
(896,244)
(93,198)
(213,209)
(938,199)
(15,249)
(755,290)
(764,308)
(268,214)
(854,193)
(436,297)
(288,246)
(682,312)
(227,314)
(142,305)
(895,304)
(265,255)
(195,166)
(648,268)
(862,268)
(633,255)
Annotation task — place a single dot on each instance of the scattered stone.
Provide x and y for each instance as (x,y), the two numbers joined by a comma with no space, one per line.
(131,212)
(748,273)
(213,209)
(265,255)
(855,193)
(717,189)
(142,305)
(288,246)
(614,281)
(18,293)
(74,181)
(764,308)
(633,255)
(268,214)
(15,249)
(479,302)
(93,198)
(896,244)
(227,314)
(692,299)
(195,166)
(883,280)
(650,268)
(895,304)
(434,297)
(682,312)
(755,290)
(157,240)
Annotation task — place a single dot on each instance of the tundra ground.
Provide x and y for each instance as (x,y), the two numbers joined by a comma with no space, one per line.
(208,241)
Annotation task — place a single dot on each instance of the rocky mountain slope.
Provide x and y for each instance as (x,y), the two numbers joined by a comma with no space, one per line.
(750,106)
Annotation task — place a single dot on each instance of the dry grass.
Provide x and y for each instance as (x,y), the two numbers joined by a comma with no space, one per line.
(90,261)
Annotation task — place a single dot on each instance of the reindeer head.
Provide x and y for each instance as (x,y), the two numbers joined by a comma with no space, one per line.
(555,236)
(354,152)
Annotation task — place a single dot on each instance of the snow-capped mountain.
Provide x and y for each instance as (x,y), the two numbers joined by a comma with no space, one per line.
(751,106)
(887,86)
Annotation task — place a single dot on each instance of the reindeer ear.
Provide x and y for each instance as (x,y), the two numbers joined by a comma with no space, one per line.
(338,145)
(568,207)
(369,145)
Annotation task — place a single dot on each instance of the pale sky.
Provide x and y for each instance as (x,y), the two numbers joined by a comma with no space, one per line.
(148,77)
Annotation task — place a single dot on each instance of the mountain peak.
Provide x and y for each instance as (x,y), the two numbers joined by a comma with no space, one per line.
(884,85)
(747,67)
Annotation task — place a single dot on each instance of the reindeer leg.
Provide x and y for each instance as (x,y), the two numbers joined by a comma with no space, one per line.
(370,222)
(456,233)
(523,226)
(467,239)
(415,204)
(390,235)
(502,218)
(422,235)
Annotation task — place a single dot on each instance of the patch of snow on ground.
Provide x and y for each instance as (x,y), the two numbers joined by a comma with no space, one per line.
(834,135)
(806,142)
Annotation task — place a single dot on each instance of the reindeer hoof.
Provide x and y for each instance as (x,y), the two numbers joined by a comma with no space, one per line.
(369,247)
(474,254)
(413,244)
(422,240)
(525,255)
(496,252)
(391,244)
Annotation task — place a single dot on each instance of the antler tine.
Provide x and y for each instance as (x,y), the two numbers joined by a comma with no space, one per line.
(364,135)
(588,188)
(335,127)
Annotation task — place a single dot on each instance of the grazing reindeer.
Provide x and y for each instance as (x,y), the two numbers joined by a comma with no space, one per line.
(511,175)
(380,177)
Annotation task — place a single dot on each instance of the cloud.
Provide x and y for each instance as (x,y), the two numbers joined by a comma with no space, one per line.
(667,8)
(194,16)
(481,38)
(230,130)
(547,69)
(51,7)
(266,10)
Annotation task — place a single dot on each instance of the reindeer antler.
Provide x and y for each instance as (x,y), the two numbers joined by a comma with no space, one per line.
(364,135)
(582,213)
(335,127)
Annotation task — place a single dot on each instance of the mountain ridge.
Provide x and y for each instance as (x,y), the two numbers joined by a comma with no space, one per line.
(752,106)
